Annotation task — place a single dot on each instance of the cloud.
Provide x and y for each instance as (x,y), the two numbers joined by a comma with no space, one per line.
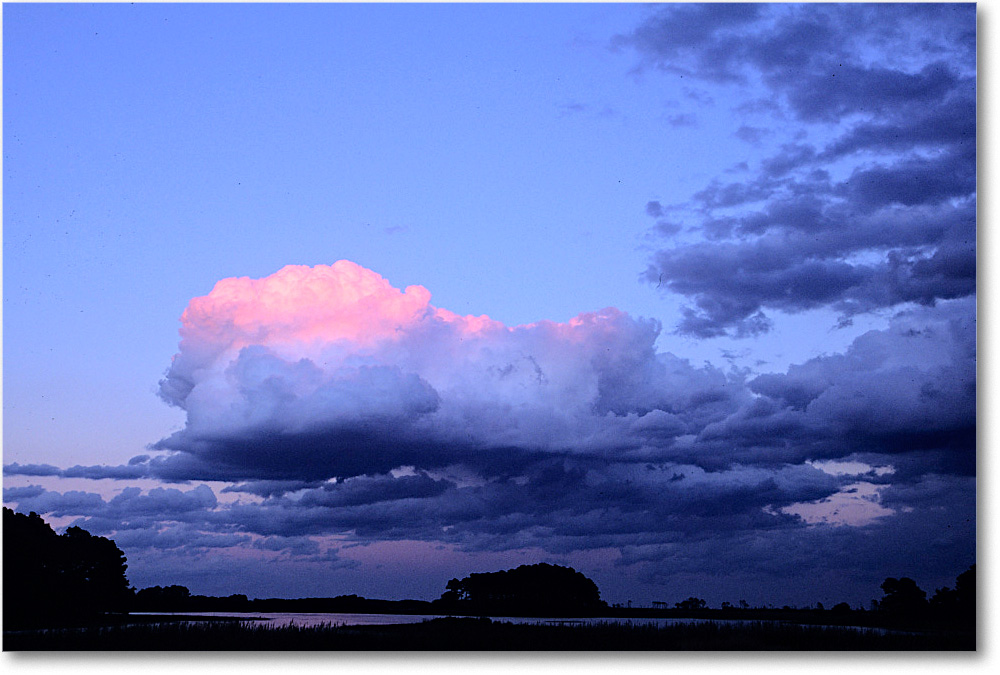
(324,372)
(133,470)
(178,537)
(668,463)
(908,388)
(870,204)
(15,469)
(317,426)
(42,501)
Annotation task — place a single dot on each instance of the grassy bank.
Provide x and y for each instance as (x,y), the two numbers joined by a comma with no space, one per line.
(481,634)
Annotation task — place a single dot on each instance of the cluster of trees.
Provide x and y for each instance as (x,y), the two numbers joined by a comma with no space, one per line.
(542,589)
(904,599)
(49,577)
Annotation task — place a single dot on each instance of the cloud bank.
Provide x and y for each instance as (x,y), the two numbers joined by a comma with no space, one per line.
(333,405)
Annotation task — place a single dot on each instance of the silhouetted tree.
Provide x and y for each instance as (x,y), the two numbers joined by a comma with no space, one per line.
(50,579)
(965,590)
(530,589)
(903,598)
(958,604)
(841,608)
(691,603)
(94,569)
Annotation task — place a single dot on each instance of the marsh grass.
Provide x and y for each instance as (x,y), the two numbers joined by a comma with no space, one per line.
(464,634)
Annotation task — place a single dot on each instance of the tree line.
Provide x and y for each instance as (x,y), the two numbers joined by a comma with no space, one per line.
(51,579)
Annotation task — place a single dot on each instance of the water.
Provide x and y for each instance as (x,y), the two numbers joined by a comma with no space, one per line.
(309,619)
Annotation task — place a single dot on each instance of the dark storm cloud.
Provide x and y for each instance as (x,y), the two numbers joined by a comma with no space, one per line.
(893,86)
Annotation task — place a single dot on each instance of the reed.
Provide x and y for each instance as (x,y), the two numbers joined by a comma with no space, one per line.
(464,634)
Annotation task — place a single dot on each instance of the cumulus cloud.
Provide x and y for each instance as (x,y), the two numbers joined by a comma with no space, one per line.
(664,462)
(329,371)
(908,388)
(871,204)
(281,403)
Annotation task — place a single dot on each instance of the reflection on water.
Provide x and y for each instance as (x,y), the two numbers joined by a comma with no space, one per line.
(308,619)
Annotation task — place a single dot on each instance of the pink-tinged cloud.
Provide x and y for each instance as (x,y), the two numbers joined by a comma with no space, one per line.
(330,371)
(337,355)
(313,305)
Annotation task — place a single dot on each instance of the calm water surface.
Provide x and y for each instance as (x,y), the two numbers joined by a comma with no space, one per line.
(308,619)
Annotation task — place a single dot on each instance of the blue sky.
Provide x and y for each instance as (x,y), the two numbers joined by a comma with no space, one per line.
(803,246)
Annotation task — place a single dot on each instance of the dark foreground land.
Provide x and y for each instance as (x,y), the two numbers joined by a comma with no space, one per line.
(467,634)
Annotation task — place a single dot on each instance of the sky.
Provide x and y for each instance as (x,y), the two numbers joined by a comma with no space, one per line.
(310,300)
